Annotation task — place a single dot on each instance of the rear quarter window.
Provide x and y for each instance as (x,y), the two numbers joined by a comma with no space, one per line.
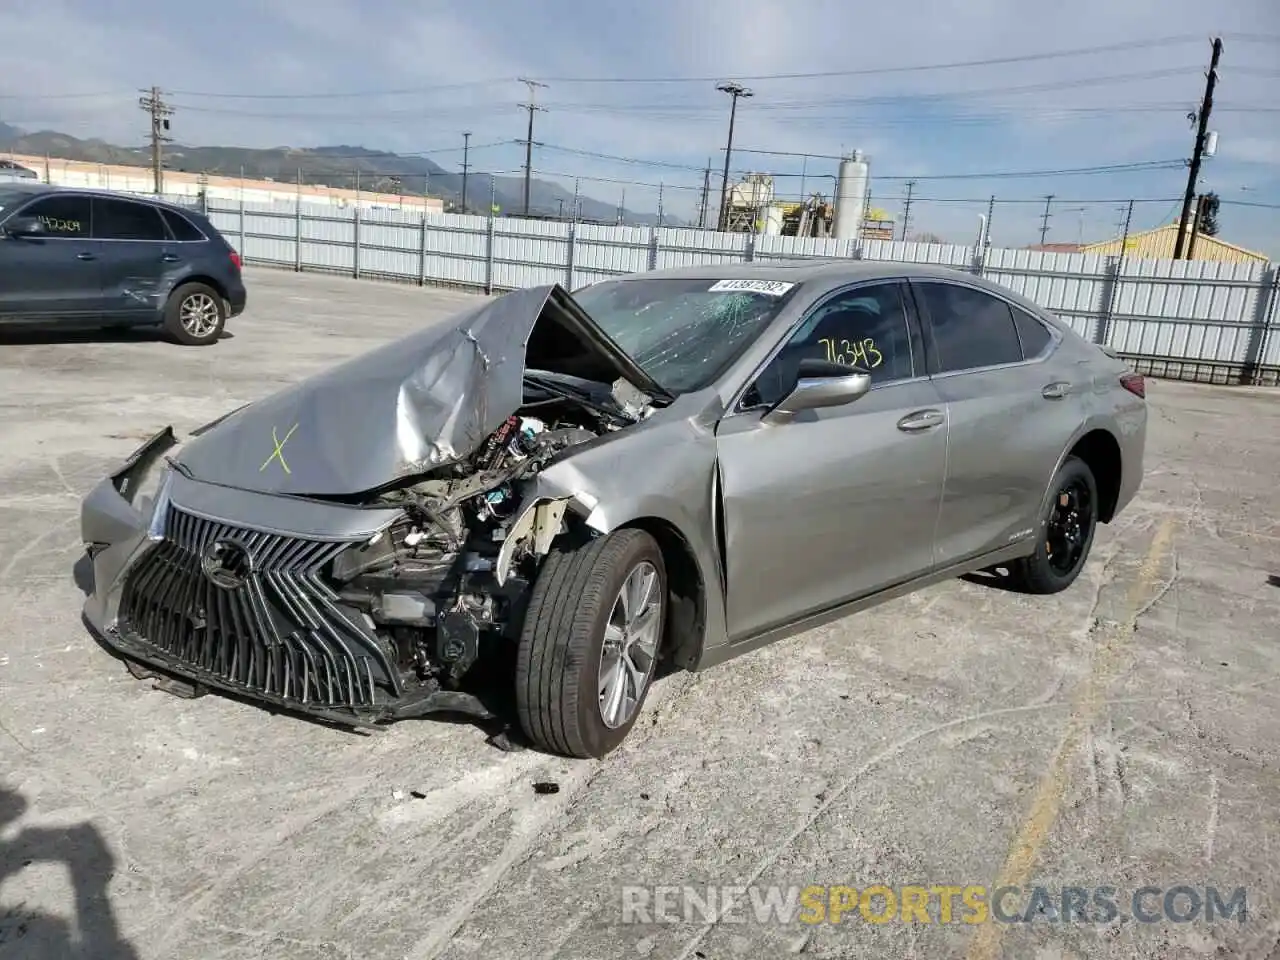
(1033,334)
(183,230)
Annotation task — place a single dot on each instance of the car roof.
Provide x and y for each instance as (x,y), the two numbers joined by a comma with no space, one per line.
(804,269)
(821,274)
(27,187)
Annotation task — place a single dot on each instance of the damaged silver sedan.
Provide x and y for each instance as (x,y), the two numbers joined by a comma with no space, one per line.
(555,494)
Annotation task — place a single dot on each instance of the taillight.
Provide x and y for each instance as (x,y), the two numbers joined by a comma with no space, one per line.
(1135,383)
(235,259)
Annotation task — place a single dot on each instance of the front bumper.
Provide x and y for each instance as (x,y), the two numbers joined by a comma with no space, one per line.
(268,627)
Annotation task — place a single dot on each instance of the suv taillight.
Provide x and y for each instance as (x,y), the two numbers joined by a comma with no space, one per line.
(235,259)
(1135,383)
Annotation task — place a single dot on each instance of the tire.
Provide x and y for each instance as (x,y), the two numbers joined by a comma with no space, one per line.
(559,663)
(1059,557)
(195,315)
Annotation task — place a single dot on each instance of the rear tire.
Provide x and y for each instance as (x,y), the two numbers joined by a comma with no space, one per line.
(195,315)
(1066,532)
(577,635)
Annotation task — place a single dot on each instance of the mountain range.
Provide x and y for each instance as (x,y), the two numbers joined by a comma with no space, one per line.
(336,166)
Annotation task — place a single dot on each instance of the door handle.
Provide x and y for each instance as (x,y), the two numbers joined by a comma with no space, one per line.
(85,255)
(920,420)
(170,258)
(1056,390)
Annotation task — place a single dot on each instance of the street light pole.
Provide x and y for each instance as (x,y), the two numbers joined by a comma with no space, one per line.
(735,90)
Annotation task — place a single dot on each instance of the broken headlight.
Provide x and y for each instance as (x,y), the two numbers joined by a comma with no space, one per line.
(144,488)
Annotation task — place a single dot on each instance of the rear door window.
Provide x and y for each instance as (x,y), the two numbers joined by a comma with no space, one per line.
(971,329)
(126,220)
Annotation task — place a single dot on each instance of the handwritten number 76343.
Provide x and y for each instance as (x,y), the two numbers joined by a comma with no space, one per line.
(853,353)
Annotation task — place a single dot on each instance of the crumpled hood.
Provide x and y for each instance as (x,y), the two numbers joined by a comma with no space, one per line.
(420,402)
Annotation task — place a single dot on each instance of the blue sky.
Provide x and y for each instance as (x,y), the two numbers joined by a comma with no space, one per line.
(269,73)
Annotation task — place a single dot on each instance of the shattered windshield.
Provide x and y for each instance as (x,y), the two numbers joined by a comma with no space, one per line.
(684,332)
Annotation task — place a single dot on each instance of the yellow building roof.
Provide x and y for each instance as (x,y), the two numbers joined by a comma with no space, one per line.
(1159,244)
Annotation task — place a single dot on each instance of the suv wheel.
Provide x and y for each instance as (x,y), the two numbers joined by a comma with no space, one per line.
(195,315)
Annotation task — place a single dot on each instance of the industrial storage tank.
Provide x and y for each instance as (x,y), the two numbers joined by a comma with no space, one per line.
(772,221)
(851,196)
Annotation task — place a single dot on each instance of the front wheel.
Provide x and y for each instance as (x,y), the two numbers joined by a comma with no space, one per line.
(195,315)
(1066,532)
(590,642)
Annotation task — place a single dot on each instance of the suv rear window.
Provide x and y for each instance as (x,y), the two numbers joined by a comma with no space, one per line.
(183,230)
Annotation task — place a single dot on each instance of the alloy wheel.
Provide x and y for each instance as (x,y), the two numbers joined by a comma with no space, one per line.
(630,645)
(199,315)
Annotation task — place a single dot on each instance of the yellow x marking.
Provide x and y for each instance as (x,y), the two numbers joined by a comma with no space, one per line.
(278,453)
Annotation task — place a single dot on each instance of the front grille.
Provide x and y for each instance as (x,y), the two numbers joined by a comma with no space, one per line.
(250,611)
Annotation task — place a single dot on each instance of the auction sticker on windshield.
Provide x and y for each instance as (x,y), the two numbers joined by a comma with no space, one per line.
(771,288)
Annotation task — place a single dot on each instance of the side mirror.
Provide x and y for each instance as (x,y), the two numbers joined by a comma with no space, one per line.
(820,384)
(26,227)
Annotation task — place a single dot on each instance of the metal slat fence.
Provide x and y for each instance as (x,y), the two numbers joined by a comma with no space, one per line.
(1194,320)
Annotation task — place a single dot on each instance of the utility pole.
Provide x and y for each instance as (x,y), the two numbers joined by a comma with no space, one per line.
(1044,219)
(906,208)
(532,107)
(735,90)
(466,145)
(1206,107)
(1197,224)
(706,197)
(153,102)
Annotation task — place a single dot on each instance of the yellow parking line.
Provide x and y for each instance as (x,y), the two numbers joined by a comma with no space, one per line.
(1026,847)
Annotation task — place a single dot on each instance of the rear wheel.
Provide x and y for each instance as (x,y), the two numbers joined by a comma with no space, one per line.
(1066,532)
(590,643)
(195,315)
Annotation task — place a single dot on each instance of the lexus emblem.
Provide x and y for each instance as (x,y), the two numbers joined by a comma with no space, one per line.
(227,563)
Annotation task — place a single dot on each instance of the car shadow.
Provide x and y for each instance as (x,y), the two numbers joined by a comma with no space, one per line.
(997,577)
(92,933)
(82,574)
(17,336)
(1274,580)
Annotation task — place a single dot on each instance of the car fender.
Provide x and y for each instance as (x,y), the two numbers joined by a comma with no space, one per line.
(1088,425)
(664,473)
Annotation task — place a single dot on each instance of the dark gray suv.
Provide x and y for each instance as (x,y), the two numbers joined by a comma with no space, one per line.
(94,258)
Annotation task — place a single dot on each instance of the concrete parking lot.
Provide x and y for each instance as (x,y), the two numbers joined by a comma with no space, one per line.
(1123,734)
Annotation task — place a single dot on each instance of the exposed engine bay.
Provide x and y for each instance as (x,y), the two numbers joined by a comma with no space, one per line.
(430,585)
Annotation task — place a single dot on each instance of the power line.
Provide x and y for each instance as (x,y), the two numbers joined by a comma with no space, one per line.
(948,94)
(1133,167)
(915,199)
(1250,203)
(345,94)
(913,68)
(619,159)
